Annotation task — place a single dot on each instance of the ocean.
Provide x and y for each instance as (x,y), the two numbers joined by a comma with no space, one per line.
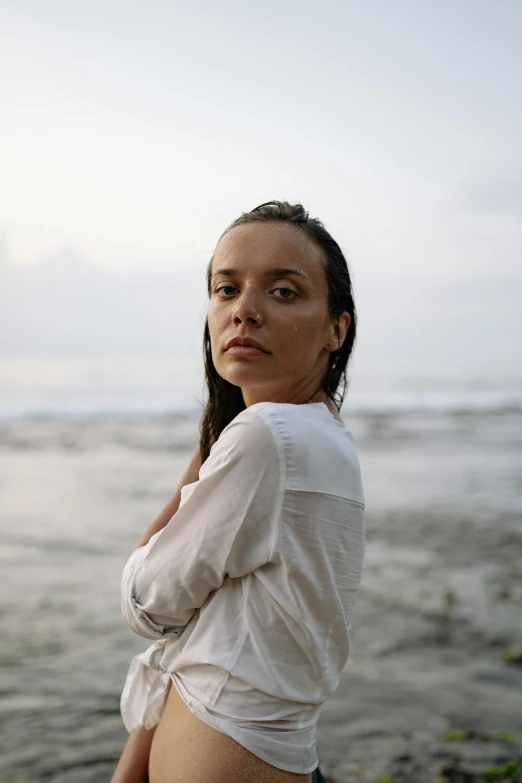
(91,450)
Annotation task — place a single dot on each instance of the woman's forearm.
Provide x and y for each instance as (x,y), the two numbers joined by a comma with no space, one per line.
(191,474)
(133,765)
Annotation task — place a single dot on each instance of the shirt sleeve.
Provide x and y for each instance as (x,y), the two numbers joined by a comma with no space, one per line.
(226,524)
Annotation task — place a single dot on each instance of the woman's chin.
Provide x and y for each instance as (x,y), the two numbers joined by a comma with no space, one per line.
(244,376)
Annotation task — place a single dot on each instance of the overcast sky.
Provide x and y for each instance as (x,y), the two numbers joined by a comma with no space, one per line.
(132,133)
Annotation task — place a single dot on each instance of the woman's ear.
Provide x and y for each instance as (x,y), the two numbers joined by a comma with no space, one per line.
(339,331)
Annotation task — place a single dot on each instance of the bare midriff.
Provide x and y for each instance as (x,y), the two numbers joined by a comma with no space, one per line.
(184,748)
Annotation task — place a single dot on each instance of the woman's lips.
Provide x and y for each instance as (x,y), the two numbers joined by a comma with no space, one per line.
(245,350)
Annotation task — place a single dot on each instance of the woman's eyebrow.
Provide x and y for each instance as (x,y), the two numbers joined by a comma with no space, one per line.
(278,271)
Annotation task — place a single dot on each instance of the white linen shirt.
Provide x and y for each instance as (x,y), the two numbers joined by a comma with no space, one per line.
(249,590)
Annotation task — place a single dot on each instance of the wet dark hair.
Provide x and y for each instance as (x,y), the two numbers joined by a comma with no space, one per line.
(225,401)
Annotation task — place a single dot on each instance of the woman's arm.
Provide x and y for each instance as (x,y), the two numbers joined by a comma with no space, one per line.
(133,766)
(189,477)
(134,761)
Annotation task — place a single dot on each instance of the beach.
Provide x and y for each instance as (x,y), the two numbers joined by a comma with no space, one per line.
(432,690)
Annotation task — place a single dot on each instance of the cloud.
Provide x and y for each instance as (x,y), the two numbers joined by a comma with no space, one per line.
(66,305)
(495,195)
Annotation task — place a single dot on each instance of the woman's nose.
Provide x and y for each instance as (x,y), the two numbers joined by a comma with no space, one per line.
(247,306)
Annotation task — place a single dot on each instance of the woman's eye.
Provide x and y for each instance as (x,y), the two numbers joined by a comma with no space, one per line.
(223,288)
(274,289)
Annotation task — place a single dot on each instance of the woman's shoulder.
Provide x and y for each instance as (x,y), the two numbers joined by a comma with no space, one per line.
(313,426)
(317,413)
(248,433)
(313,449)
(263,426)
(319,450)
(280,418)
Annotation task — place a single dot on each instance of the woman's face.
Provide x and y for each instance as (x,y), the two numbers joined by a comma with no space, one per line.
(285,313)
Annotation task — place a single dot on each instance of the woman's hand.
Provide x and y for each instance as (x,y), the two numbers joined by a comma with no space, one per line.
(189,477)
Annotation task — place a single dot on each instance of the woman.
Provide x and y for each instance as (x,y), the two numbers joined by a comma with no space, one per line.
(249,591)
